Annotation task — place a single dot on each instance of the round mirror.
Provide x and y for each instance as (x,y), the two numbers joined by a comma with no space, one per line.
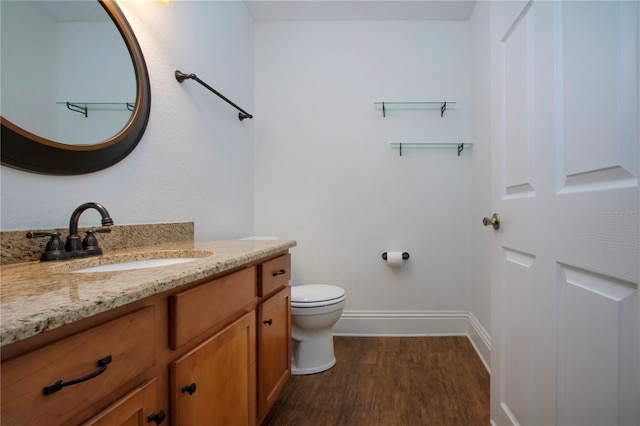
(75,87)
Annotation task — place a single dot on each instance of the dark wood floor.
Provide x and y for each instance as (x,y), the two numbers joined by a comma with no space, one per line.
(390,381)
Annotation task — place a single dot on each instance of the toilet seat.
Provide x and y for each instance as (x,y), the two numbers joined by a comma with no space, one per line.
(313,295)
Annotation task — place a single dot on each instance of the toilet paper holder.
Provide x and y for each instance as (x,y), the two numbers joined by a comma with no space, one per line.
(405,255)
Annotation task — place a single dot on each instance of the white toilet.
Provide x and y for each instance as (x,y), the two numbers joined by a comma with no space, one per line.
(315,308)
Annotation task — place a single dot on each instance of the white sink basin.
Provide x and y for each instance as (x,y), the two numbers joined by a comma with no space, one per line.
(137,264)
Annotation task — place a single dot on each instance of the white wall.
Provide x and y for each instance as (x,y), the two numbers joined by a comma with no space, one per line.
(195,161)
(480,191)
(326,175)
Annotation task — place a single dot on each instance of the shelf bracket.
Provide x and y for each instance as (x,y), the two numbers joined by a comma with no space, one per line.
(443,108)
(460,148)
(400,149)
(77,108)
(130,106)
(384,113)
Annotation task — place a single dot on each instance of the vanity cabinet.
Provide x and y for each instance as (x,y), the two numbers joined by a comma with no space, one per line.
(216,351)
(235,376)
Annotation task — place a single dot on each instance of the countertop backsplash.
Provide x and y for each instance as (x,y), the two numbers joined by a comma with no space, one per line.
(15,247)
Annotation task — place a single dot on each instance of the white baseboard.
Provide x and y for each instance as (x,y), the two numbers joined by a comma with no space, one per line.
(416,323)
(402,323)
(480,340)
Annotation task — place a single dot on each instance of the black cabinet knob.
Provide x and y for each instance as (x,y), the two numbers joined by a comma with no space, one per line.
(268,322)
(189,388)
(156,417)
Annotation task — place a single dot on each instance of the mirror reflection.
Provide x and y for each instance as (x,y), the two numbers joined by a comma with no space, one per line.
(67,74)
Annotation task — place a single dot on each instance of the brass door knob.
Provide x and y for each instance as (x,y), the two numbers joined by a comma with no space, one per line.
(493,221)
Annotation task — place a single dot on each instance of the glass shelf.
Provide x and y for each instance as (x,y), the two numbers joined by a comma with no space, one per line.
(461,146)
(441,105)
(84,107)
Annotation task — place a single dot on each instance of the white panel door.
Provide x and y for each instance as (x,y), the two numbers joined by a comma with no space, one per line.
(565,273)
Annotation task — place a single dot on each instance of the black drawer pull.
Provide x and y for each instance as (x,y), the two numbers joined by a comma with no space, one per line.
(268,322)
(189,388)
(156,417)
(280,272)
(102,367)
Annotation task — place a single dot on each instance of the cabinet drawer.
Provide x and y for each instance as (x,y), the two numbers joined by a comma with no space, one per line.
(129,340)
(274,274)
(199,309)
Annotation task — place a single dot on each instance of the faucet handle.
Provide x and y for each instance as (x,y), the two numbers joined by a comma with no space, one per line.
(90,242)
(32,234)
(55,247)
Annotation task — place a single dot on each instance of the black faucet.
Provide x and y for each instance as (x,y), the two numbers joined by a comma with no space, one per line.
(89,247)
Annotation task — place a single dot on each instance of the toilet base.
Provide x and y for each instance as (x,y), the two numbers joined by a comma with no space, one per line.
(318,369)
(314,354)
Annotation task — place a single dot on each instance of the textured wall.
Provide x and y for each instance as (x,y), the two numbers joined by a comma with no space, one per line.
(325,172)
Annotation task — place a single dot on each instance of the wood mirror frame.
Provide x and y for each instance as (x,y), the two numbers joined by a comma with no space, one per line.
(26,151)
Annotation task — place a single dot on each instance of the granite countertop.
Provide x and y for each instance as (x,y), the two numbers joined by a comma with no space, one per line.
(37,297)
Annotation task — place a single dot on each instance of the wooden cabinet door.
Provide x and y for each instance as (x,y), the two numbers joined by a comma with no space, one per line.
(274,348)
(215,383)
(138,408)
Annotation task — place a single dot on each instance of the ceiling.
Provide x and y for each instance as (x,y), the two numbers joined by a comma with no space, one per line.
(356,10)
(303,10)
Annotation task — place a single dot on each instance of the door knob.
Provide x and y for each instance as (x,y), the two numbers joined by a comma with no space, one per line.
(493,221)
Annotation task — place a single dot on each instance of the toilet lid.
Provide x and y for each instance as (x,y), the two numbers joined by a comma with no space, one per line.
(313,293)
